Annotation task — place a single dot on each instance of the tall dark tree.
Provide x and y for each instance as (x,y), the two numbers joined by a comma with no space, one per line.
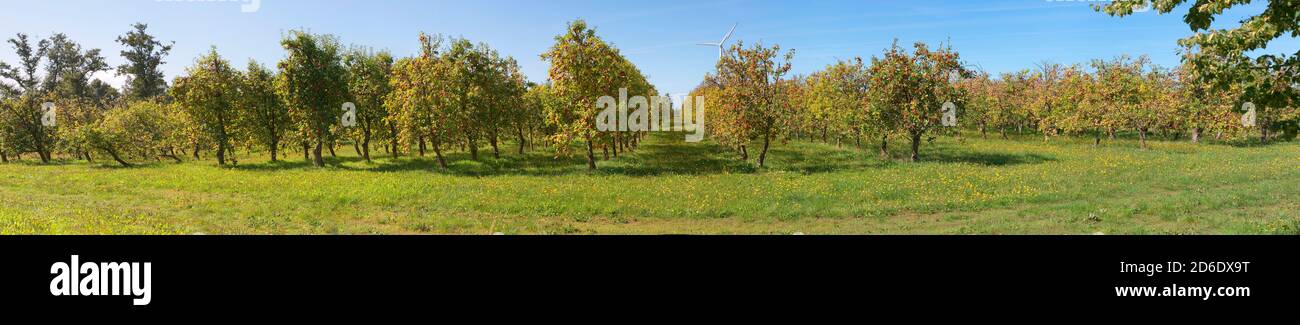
(101,94)
(69,70)
(144,54)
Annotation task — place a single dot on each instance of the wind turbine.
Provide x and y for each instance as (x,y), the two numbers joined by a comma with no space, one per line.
(722,50)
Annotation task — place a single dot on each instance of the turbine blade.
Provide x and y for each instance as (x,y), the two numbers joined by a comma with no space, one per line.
(733,30)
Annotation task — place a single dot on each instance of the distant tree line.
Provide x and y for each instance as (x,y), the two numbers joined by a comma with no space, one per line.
(459,95)
(903,92)
(453,94)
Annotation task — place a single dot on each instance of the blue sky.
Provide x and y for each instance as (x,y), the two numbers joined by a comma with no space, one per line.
(658,36)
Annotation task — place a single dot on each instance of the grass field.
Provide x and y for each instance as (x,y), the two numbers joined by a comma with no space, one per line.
(971,186)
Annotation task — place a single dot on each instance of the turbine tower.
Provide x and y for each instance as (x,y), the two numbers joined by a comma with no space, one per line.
(722,50)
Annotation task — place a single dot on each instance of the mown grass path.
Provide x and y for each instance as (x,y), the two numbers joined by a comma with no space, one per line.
(972,186)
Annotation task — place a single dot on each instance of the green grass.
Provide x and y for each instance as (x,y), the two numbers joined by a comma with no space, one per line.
(972,186)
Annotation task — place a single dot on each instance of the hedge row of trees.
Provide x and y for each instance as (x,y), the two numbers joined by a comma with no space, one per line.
(902,93)
(213,106)
(899,93)
(454,93)
(1110,96)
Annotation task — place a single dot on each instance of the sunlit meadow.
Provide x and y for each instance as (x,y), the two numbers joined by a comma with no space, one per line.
(964,186)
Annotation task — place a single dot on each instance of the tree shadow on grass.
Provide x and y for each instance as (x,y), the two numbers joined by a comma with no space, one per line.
(28,162)
(662,154)
(290,164)
(985,158)
(949,153)
(813,158)
(648,160)
(461,164)
(690,159)
(1252,143)
(273,166)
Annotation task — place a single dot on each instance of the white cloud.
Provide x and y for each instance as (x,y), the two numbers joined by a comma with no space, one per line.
(111,78)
